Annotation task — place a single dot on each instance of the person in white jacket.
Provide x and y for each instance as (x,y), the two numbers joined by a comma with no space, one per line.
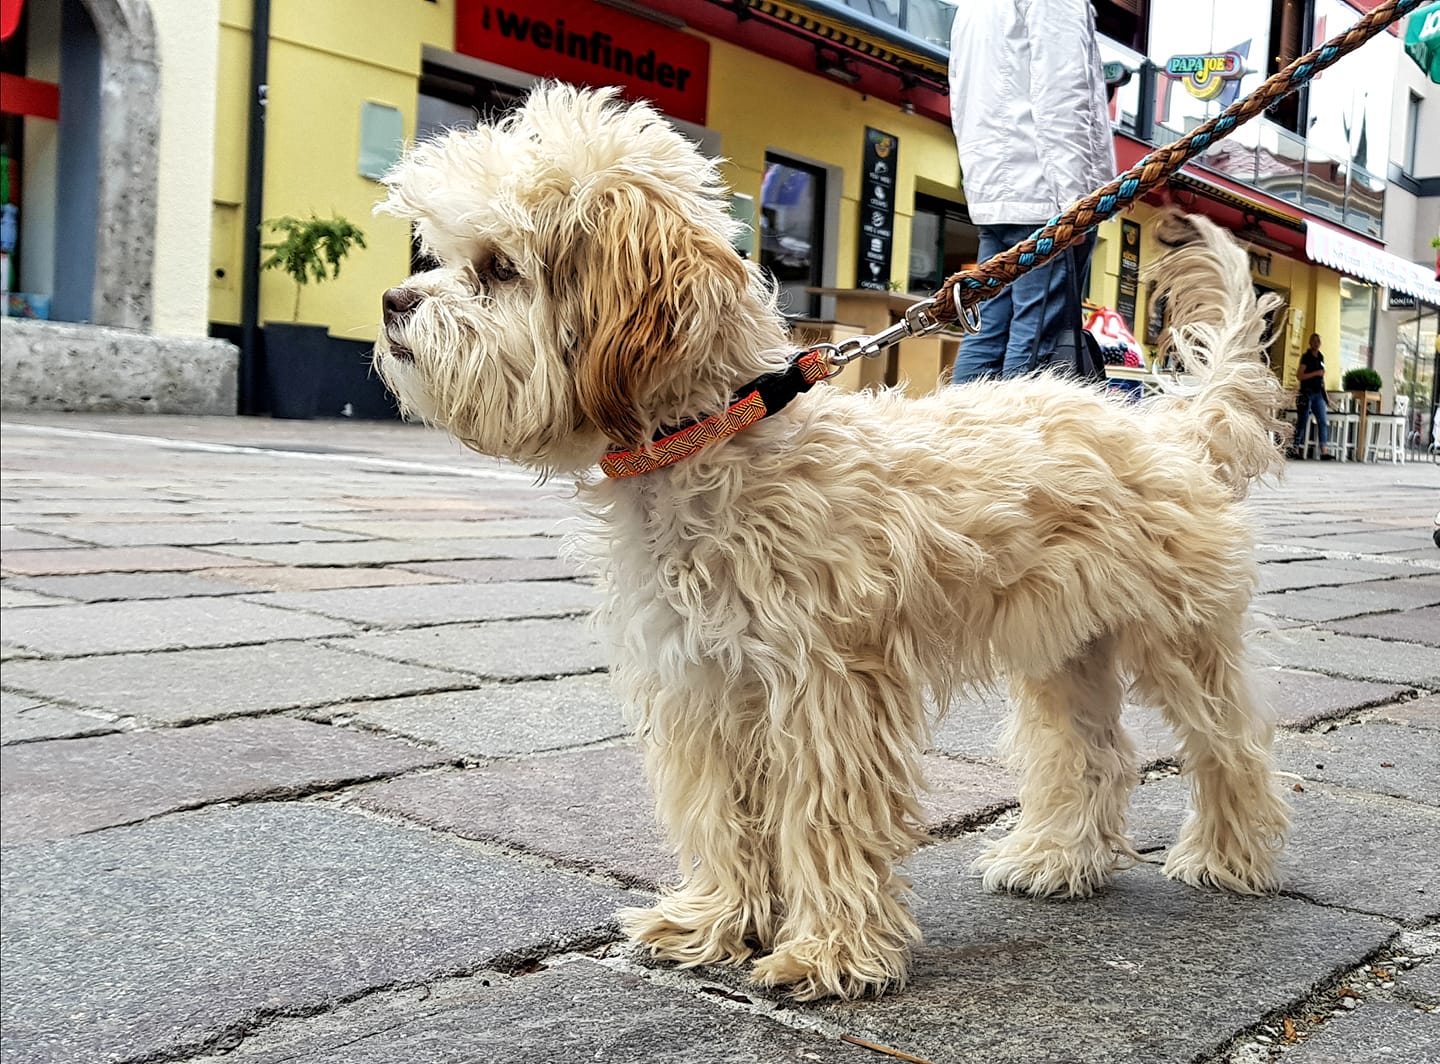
(1031,117)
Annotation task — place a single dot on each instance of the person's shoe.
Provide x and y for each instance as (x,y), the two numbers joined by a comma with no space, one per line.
(1327,457)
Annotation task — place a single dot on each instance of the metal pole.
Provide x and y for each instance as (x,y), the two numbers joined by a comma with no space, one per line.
(249,383)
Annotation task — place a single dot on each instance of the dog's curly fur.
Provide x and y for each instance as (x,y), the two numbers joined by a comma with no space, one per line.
(782,602)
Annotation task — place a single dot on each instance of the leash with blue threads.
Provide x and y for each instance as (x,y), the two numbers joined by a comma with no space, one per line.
(1069,228)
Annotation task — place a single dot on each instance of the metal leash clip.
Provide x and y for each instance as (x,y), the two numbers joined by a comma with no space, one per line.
(918,321)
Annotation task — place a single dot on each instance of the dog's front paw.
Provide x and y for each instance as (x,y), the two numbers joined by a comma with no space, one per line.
(1031,866)
(1240,869)
(812,969)
(684,939)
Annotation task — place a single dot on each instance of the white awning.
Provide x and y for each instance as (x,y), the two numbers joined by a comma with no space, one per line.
(1360,260)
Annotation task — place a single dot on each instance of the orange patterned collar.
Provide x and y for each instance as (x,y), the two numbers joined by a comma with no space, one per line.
(759,399)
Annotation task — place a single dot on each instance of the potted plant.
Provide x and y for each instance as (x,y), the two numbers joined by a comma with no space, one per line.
(296,354)
(1363,383)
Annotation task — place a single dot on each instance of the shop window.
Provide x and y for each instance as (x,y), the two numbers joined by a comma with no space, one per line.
(942,241)
(1417,373)
(792,226)
(1357,323)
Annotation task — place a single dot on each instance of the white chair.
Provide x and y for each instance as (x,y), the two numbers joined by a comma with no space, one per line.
(1386,433)
(1344,441)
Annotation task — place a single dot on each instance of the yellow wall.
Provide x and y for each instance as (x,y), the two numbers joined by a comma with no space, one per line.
(326,58)
(823,121)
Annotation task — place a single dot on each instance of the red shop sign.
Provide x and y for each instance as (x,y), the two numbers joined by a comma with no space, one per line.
(10,11)
(581,42)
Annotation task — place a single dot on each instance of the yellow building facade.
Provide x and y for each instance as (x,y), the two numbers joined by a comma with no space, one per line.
(328,59)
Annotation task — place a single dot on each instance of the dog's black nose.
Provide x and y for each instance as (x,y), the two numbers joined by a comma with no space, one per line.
(399,302)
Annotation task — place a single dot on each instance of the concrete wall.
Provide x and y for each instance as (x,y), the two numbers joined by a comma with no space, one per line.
(46,365)
(188,34)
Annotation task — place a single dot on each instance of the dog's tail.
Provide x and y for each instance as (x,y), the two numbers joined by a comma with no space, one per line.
(1218,333)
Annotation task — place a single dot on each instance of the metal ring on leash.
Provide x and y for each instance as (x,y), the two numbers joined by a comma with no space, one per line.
(919,320)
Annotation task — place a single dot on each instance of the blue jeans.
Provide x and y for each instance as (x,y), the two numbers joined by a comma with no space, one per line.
(1030,318)
(1310,404)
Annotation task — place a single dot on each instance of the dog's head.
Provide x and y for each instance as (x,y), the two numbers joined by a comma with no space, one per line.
(587,291)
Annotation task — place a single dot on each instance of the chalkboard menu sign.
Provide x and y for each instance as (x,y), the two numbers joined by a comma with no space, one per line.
(877,209)
(1129,271)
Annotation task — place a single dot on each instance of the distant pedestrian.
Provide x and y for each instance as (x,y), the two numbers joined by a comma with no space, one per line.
(1029,108)
(1310,402)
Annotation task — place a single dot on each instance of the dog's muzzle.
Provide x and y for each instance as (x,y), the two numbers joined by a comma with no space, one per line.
(398,304)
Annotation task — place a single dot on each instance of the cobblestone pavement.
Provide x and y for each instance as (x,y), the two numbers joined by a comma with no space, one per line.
(308,757)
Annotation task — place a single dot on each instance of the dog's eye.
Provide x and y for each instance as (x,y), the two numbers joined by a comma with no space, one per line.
(502,269)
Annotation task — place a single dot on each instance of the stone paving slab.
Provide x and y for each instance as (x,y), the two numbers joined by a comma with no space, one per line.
(970,727)
(385,552)
(1149,972)
(574,1013)
(1383,758)
(442,603)
(592,809)
(107,560)
(1412,626)
(1300,698)
(1381,1032)
(499,720)
(184,686)
(491,570)
(206,533)
(54,789)
(502,650)
(315,578)
(1334,603)
(1346,655)
(1389,868)
(118,587)
(1288,576)
(18,598)
(116,627)
(1417,713)
(169,936)
(457,530)
(26,719)
(1386,543)
(12,538)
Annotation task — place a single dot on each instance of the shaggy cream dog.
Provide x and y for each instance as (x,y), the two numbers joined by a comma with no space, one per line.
(782,601)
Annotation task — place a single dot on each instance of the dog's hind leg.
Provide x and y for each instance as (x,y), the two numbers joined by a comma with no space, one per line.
(1077,767)
(704,766)
(845,798)
(1233,835)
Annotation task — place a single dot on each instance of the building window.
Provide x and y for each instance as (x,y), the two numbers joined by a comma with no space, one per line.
(1412,132)
(1289,39)
(792,224)
(942,241)
(1124,22)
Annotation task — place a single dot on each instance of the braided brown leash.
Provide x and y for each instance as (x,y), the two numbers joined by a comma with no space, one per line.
(1070,227)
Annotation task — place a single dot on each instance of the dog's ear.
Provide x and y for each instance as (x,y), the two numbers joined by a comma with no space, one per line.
(654,286)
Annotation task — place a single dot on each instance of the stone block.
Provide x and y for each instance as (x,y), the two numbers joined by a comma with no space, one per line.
(442,603)
(1383,758)
(26,719)
(1420,625)
(109,560)
(118,587)
(53,789)
(1356,657)
(155,940)
(116,627)
(502,650)
(185,686)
